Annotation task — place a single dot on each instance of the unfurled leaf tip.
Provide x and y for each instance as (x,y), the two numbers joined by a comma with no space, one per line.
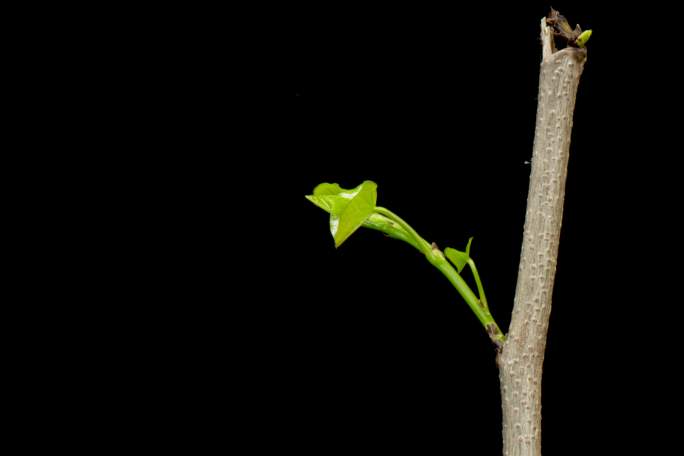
(458,258)
(583,38)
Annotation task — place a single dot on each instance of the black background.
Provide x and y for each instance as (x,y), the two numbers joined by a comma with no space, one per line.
(374,349)
(199,292)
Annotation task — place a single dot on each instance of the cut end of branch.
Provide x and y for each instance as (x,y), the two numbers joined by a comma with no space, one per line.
(555,25)
(549,45)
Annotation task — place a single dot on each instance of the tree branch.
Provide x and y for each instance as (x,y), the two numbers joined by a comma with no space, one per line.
(521,360)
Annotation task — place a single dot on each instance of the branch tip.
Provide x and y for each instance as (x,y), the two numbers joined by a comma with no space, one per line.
(556,25)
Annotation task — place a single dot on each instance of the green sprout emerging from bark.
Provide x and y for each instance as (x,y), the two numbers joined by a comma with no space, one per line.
(352,209)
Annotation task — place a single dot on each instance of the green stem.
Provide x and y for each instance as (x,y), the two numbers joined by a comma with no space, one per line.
(477,306)
(390,228)
(385,220)
(480,288)
(422,243)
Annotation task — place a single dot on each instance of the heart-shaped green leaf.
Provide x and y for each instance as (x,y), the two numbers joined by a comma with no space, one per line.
(332,204)
(348,208)
(458,258)
(330,189)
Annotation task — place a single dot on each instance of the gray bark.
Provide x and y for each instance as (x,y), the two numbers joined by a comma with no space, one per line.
(520,362)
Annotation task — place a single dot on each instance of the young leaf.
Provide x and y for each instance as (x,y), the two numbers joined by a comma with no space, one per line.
(583,38)
(458,258)
(330,189)
(332,198)
(332,204)
(360,207)
(348,208)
